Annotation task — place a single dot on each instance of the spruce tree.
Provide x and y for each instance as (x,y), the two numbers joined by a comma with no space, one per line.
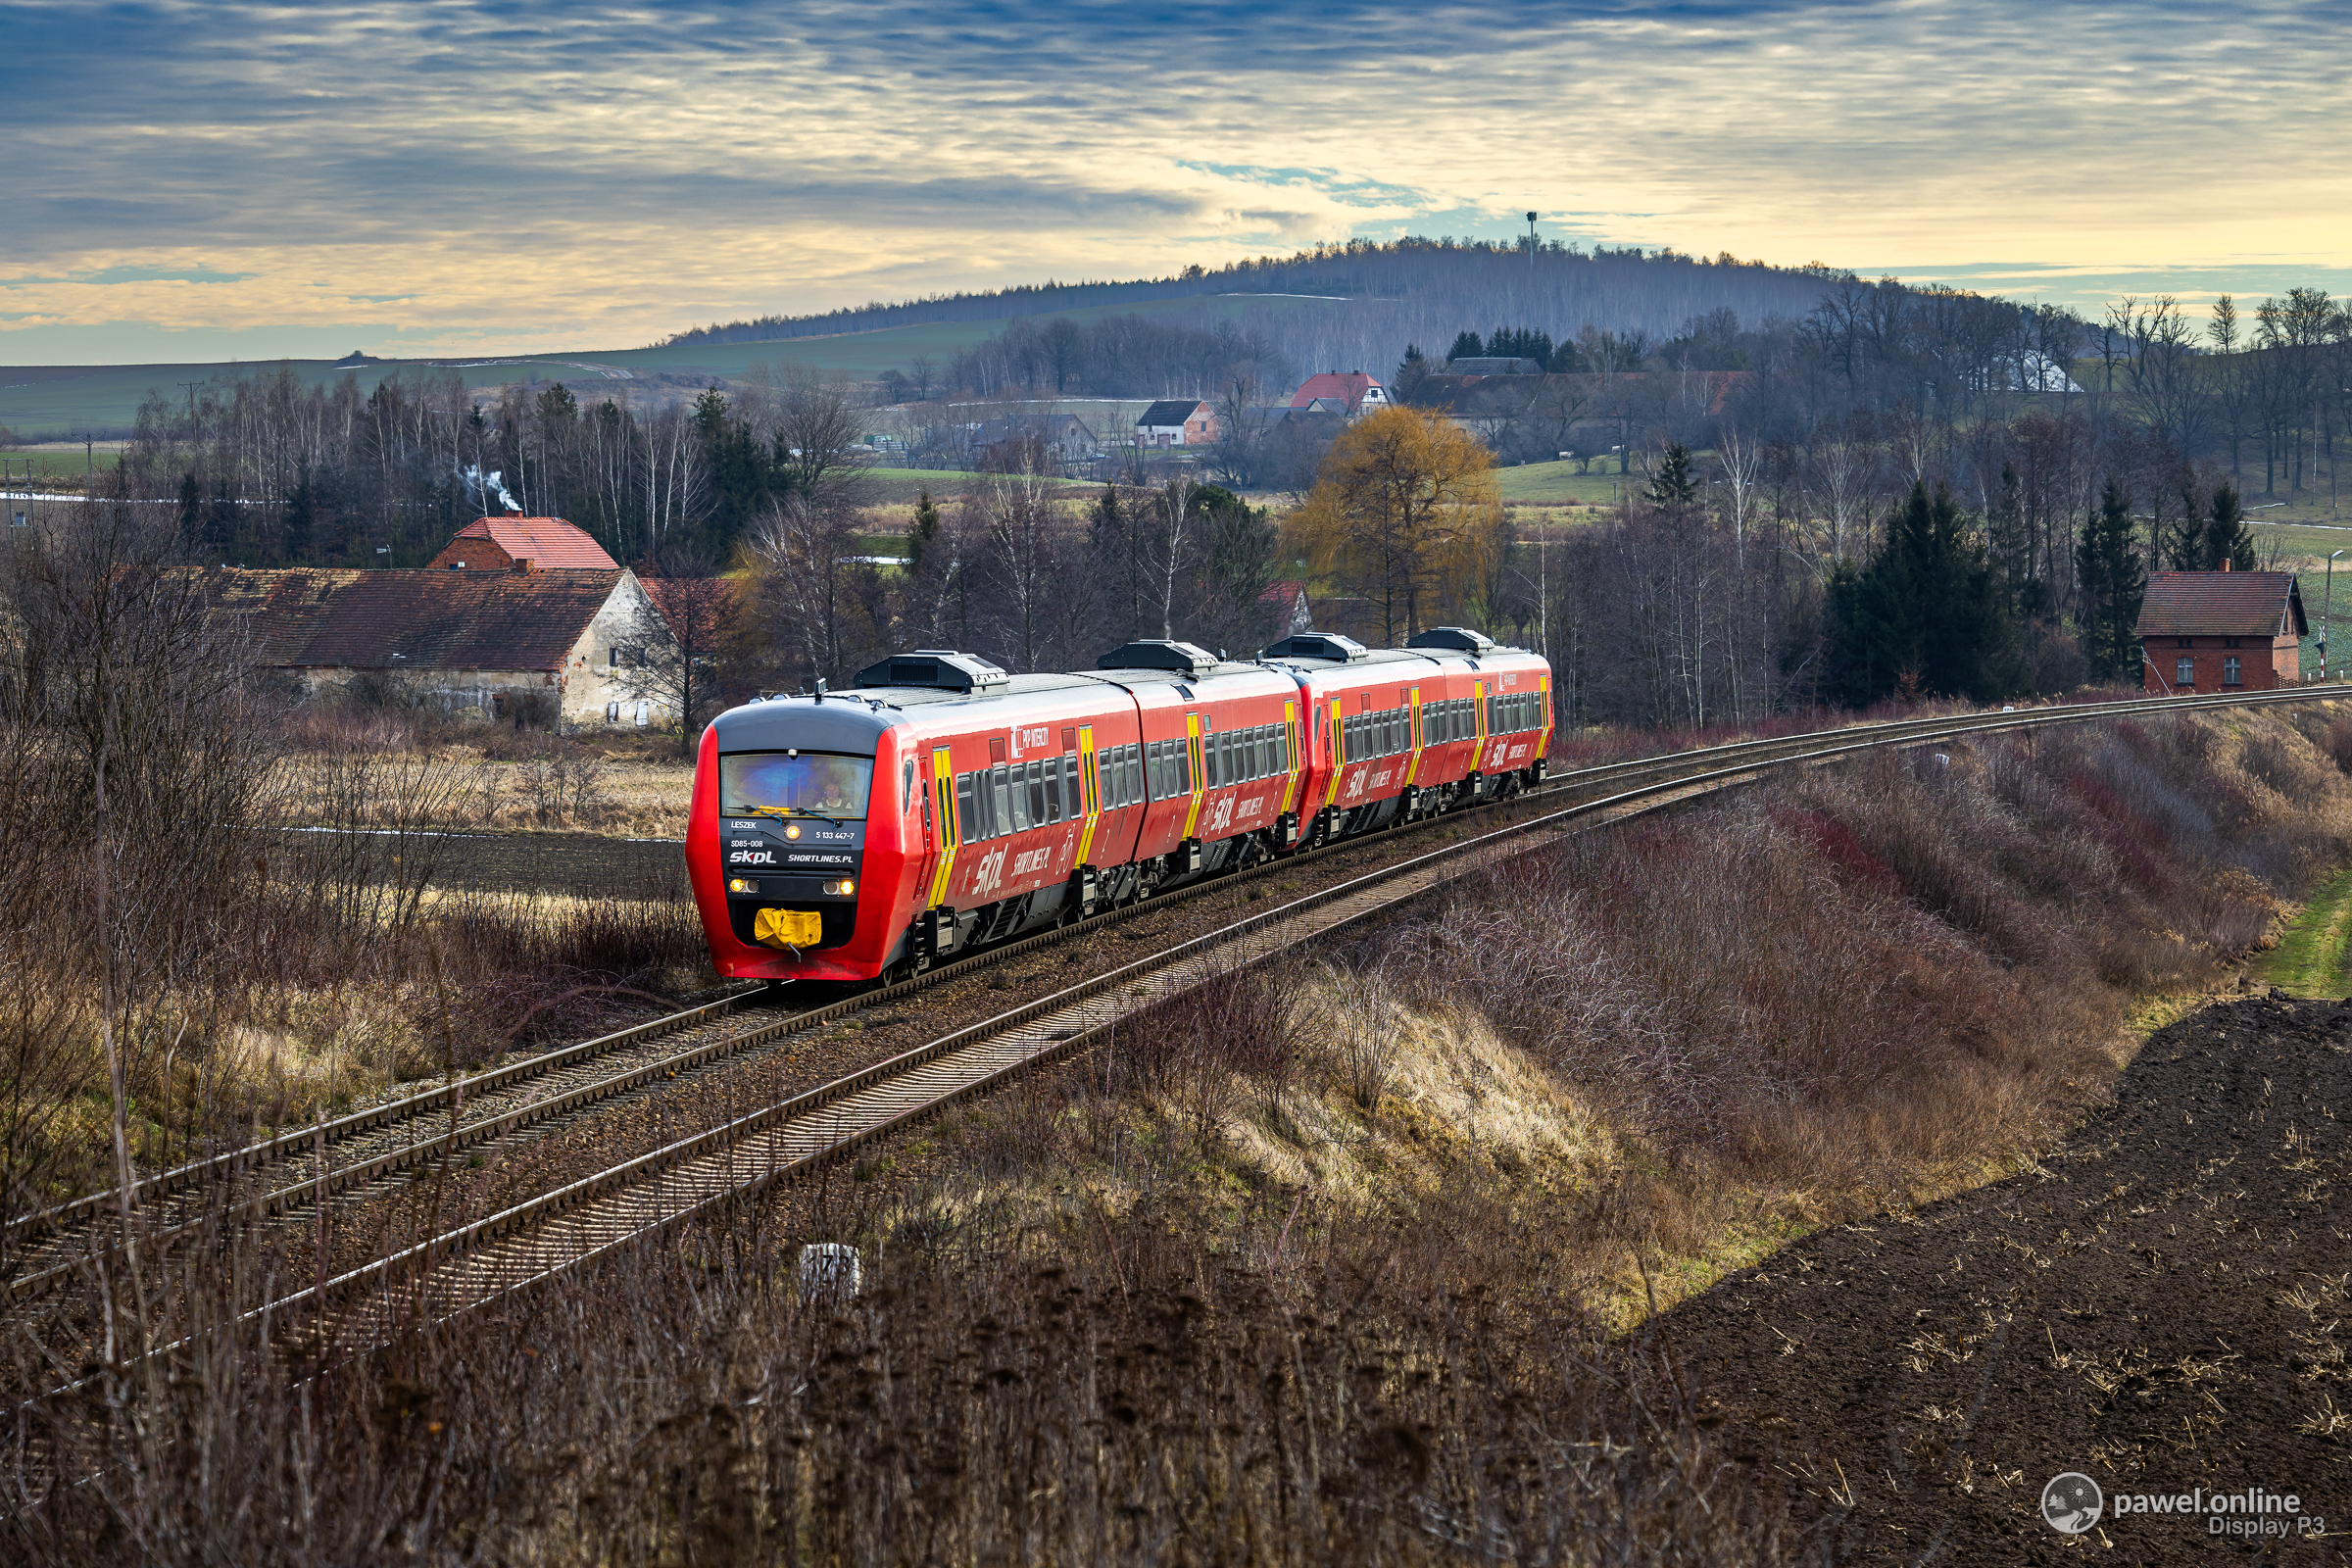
(2114,579)
(2226,537)
(925,529)
(1673,485)
(1466,345)
(2011,544)
(1925,615)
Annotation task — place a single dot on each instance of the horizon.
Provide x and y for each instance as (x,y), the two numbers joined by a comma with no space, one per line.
(232,182)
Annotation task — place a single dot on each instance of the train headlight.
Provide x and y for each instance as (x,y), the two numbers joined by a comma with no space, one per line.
(792,830)
(741,884)
(842,888)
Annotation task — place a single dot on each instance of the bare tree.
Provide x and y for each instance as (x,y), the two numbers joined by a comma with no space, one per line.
(681,630)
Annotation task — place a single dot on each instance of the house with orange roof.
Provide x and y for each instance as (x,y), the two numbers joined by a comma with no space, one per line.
(493,544)
(1350,393)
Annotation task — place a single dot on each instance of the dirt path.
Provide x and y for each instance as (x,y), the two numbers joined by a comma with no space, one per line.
(2163,1307)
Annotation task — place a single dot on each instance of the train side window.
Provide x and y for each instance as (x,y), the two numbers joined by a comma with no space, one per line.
(1282,748)
(1103,793)
(1073,800)
(1134,774)
(1017,786)
(1184,768)
(1154,785)
(1037,794)
(1000,788)
(1050,790)
(963,805)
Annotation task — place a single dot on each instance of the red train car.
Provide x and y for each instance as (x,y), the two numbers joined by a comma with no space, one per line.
(943,805)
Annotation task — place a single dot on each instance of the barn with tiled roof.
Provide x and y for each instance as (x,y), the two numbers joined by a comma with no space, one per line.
(566,642)
(2220,631)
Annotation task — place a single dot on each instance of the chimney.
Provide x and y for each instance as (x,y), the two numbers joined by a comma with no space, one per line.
(2224,563)
(521,568)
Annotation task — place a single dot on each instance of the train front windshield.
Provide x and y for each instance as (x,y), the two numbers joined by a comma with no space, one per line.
(810,784)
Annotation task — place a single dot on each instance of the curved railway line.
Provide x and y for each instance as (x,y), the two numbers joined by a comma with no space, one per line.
(467,1265)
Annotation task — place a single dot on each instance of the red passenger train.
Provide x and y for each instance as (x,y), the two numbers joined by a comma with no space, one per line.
(943,805)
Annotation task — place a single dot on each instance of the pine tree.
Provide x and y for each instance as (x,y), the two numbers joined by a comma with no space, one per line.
(1924,617)
(2114,579)
(925,529)
(2226,537)
(1466,345)
(2011,544)
(1673,485)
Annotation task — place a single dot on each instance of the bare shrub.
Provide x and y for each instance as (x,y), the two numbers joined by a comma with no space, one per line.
(1202,1050)
(561,782)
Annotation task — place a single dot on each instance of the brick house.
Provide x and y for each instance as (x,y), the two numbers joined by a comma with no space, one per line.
(2211,631)
(493,544)
(1177,423)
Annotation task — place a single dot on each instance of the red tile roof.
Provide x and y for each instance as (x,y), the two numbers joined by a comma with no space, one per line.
(1350,387)
(549,542)
(416,619)
(2221,604)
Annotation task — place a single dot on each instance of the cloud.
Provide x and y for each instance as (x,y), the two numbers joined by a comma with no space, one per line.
(525,174)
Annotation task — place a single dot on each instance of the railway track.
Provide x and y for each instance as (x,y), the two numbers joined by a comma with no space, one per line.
(286,1175)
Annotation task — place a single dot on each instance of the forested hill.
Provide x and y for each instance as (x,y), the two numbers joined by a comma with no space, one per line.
(1448,282)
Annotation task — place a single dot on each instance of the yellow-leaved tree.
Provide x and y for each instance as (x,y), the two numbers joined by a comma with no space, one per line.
(1406,515)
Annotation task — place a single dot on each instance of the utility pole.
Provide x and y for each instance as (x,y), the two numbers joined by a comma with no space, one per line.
(1530,242)
(2327,603)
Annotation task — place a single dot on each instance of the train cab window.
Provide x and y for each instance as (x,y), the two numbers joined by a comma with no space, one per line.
(810,784)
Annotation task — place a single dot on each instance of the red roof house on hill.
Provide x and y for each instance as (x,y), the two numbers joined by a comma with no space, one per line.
(2220,631)
(493,544)
(1357,392)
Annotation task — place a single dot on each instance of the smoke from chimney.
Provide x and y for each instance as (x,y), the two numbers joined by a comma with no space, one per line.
(487,485)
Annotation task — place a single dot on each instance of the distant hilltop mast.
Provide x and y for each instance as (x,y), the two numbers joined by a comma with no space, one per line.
(1530,242)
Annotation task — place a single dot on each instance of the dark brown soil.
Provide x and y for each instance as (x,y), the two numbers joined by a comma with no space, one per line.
(2163,1307)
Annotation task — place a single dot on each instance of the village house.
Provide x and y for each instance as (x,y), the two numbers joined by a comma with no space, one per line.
(2212,631)
(1062,439)
(1354,394)
(493,544)
(555,644)
(1177,423)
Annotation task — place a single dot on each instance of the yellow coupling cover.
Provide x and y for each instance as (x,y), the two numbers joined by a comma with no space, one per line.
(788,928)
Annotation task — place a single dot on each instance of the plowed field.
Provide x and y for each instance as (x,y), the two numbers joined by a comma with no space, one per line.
(2161,1307)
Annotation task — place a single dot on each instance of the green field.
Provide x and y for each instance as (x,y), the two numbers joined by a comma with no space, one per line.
(1560,484)
(47,402)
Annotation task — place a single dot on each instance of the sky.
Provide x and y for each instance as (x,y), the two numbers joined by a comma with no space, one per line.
(191,181)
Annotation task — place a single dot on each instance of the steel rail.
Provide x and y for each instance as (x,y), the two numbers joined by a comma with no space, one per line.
(300,1192)
(690,1176)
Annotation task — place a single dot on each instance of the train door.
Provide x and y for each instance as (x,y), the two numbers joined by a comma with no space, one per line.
(1412,707)
(1544,716)
(1090,793)
(1337,753)
(939,826)
(1477,708)
(1192,750)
